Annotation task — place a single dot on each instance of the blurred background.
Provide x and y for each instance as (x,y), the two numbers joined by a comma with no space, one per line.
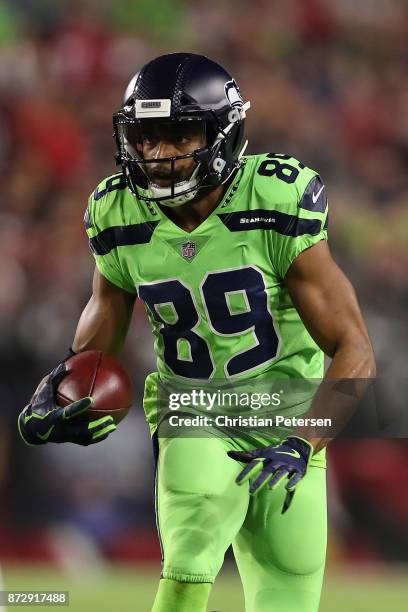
(328,84)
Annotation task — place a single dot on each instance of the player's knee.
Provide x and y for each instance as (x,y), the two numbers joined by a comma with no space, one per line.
(192,541)
(198,547)
(299,563)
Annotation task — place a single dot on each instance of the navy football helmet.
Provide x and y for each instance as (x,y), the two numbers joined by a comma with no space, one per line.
(169,91)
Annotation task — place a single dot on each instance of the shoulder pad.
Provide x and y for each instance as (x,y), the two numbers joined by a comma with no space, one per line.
(112,183)
(100,212)
(281,180)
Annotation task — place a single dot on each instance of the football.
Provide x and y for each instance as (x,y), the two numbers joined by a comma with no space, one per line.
(92,373)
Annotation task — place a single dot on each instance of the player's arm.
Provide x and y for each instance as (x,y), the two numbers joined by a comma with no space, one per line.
(329,309)
(102,326)
(104,322)
(326,301)
(327,304)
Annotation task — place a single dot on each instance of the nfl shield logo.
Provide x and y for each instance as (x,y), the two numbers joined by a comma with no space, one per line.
(189,250)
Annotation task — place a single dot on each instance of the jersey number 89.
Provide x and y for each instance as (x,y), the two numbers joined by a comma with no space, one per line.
(214,291)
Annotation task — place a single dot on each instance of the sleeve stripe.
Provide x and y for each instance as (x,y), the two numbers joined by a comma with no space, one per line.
(117,181)
(314,197)
(288,225)
(88,217)
(122,235)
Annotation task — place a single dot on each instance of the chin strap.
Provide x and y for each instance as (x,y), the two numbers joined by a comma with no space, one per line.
(177,200)
(173,197)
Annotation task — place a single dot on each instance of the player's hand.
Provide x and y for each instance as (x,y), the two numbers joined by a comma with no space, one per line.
(272,464)
(43,421)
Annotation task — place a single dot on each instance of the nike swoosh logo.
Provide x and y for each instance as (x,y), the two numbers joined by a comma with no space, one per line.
(293,453)
(315,196)
(47,434)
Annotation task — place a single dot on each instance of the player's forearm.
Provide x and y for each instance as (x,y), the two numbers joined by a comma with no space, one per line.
(105,320)
(353,359)
(103,327)
(346,380)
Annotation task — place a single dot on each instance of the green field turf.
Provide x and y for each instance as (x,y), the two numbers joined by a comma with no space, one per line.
(132,589)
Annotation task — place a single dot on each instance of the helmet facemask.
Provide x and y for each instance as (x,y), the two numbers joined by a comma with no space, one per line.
(166,179)
(147,177)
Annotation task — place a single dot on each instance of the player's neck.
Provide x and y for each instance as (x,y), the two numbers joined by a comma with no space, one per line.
(189,216)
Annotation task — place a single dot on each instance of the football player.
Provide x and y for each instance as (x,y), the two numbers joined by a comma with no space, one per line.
(229,255)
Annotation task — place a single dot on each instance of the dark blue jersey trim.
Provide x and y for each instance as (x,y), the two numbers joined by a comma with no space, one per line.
(118,181)
(122,235)
(288,225)
(314,197)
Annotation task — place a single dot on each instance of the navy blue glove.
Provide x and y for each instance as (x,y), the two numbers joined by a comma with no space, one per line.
(272,464)
(43,421)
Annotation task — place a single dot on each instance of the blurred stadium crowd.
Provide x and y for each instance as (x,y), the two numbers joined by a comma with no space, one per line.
(328,83)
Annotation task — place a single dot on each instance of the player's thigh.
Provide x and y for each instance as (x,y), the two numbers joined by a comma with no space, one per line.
(281,557)
(199,507)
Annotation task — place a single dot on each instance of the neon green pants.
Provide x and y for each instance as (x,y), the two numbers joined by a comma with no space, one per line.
(201,512)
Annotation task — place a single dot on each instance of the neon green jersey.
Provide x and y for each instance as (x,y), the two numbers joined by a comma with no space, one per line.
(215,297)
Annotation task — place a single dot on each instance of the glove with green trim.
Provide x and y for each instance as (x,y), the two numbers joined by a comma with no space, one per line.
(43,421)
(272,464)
